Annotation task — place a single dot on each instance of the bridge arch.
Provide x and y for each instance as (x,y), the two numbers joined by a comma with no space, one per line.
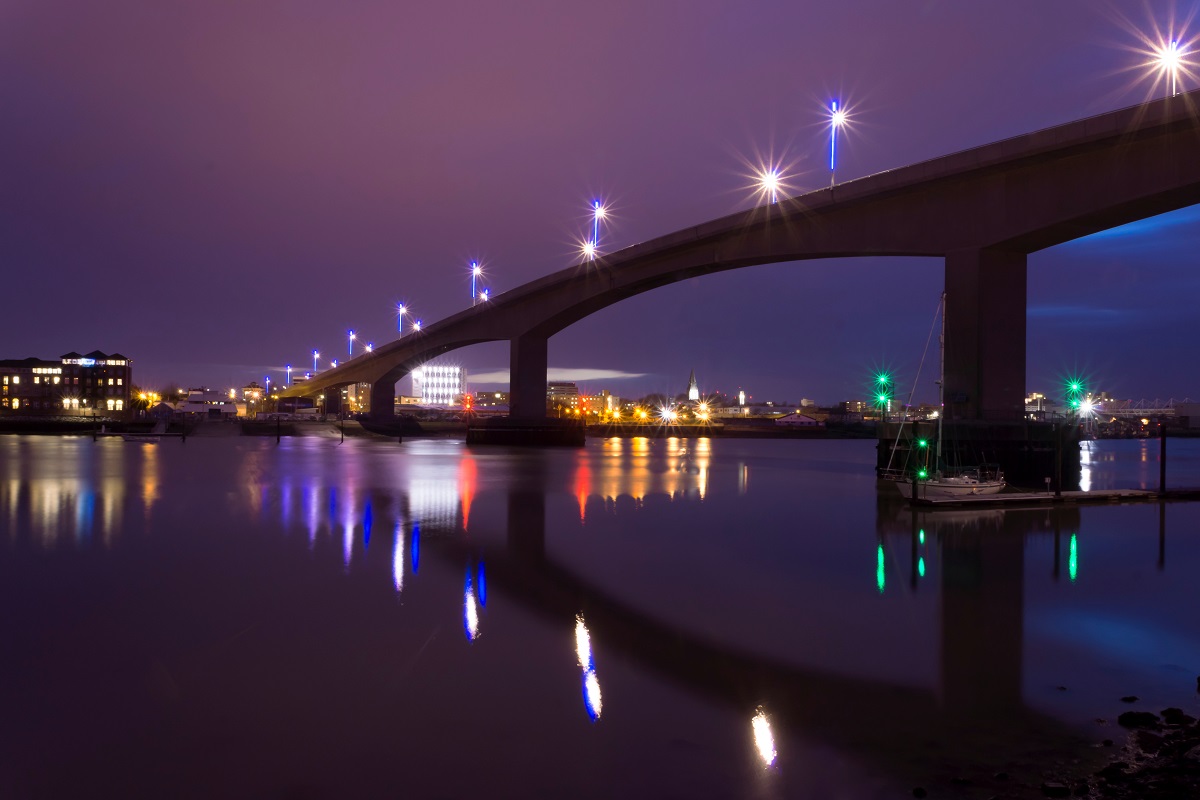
(982,210)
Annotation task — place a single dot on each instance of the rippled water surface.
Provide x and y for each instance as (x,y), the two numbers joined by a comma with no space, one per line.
(653,618)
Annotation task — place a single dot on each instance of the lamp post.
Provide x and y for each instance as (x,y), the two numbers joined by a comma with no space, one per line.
(289,375)
(484,295)
(400,309)
(416,326)
(598,213)
(370,347)
(352,344)
(476,271)
(316,355)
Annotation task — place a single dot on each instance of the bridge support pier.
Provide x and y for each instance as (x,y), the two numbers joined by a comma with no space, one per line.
(527,363)
(331,400)
(383,400)
(985,335)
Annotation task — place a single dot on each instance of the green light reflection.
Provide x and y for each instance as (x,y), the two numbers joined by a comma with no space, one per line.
(921,566)
(880,579)
(1073,559)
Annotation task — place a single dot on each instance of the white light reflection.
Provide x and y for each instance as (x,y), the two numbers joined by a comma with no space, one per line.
(471,615)
(764,740)
(583,644)
(398,558)
(591,684)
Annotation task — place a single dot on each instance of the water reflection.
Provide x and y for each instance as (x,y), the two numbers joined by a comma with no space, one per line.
(972,571)
(592,700)
(72,491)
(470,608)
(764,739)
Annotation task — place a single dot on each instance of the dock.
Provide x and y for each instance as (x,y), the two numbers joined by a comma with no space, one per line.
(1039,499)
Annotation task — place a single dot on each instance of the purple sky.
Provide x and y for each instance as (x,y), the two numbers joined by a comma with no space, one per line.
(215,189)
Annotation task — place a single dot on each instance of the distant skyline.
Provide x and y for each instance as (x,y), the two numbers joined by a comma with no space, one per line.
(216,190)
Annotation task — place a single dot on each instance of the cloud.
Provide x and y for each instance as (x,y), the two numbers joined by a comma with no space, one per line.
(576,374)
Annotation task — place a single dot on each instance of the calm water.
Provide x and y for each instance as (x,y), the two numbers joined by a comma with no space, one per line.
(236,618)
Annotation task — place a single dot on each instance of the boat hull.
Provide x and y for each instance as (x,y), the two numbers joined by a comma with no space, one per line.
(949,488)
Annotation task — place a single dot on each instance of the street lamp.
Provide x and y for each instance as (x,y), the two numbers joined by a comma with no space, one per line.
(400,309)
(1169,60)
(352,344)
(370,346)
(837,118)
(768,180)
(476,271)
(484,295)
(289,374)
(316,355)
(416,326)
(333,364)
(588,248)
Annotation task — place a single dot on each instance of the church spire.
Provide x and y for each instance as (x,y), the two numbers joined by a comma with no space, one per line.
(693,389)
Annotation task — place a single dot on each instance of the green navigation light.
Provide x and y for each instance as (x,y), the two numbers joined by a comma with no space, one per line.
(921,536)
(921,566)
(922,443)
(922,474)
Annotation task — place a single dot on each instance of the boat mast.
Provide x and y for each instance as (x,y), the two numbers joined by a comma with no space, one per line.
(937,464)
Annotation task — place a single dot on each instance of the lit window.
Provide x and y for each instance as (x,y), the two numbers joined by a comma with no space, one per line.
(110,381)
(110,405)
(120,405)
(66,402)
(120,381)
(5,380)
(16,379)
(56,380)
(37,378)
(16,403)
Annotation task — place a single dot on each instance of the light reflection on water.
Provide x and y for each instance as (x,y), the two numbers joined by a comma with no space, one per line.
(746,595)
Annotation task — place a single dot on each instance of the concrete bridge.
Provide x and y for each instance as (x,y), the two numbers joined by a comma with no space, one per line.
(982,210)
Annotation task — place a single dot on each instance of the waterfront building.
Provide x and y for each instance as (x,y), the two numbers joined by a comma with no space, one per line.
(208,404)
(562,397)
(74,384)
(488,399)
(439,384)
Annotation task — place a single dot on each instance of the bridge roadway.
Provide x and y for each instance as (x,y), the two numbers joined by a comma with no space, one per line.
(982,210)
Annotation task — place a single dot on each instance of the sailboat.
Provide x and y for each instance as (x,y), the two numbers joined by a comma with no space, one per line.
(960,482)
